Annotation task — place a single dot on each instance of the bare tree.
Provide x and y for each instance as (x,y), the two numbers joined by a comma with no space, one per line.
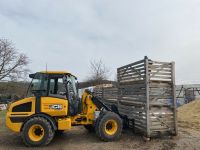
(98,71)
(12,63)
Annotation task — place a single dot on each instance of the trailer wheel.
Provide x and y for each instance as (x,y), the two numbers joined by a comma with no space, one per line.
(37,132)
(109,126)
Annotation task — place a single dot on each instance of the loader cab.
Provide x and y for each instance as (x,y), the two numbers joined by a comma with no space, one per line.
(58,85)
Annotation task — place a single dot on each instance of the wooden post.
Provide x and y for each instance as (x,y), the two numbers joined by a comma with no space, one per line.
(102,94)
(147,80)
(118,88)
(174,98)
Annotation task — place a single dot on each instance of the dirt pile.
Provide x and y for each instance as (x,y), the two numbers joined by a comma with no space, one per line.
(189,115)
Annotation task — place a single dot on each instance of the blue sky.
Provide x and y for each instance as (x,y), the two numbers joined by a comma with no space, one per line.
(68,34)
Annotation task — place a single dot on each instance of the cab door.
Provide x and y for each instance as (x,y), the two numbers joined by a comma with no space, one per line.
(75,106)
(56,103)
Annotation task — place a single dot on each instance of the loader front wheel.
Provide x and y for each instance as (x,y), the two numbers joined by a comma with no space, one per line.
(37,131)
(109,127)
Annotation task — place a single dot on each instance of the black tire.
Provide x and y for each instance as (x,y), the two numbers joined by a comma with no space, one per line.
(46,128)
(109,126)
(99,118)
(90,128)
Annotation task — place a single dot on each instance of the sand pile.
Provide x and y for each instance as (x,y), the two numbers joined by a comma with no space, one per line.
(189,115)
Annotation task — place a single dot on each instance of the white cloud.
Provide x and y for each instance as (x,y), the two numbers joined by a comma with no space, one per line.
(68,34)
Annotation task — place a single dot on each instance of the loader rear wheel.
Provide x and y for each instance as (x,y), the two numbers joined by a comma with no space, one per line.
(109,127)
(37,131)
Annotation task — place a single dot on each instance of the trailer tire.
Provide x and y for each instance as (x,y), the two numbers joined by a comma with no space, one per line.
(109,126)
(37,131)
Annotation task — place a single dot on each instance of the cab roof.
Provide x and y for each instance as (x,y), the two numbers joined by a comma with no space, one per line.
(56,72)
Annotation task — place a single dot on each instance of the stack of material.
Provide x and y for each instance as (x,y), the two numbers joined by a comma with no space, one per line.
(189,115)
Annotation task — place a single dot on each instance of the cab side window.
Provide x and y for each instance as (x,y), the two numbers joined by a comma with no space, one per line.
(61,87)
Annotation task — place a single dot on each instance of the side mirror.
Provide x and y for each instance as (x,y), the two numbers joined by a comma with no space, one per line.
(32,75)
(77,87)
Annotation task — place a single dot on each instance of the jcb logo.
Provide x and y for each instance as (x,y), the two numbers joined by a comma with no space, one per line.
(55,107)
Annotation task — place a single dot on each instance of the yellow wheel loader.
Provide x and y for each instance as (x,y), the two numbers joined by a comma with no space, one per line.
(52,106)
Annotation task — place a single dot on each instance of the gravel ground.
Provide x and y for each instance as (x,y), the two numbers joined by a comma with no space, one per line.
(78,138)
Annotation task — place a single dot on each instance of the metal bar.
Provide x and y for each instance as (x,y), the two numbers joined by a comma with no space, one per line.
(174,97)
(147,98)
(180,91)
(135,63)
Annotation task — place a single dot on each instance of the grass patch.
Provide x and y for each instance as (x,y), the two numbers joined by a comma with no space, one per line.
(2,121)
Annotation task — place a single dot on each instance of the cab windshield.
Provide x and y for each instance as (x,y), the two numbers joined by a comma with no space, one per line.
(39,83)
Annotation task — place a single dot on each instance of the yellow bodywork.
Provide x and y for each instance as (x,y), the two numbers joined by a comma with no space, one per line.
(64,124)
(57,72)
(111,127)
(17,126)
(47,102)
(33,136)
(60,114)
(88,109)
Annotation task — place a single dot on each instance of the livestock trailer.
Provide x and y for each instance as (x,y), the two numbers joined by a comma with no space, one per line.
(145,95)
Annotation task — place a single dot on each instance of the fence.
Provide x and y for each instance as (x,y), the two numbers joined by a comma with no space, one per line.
(109,95)
(187,93)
